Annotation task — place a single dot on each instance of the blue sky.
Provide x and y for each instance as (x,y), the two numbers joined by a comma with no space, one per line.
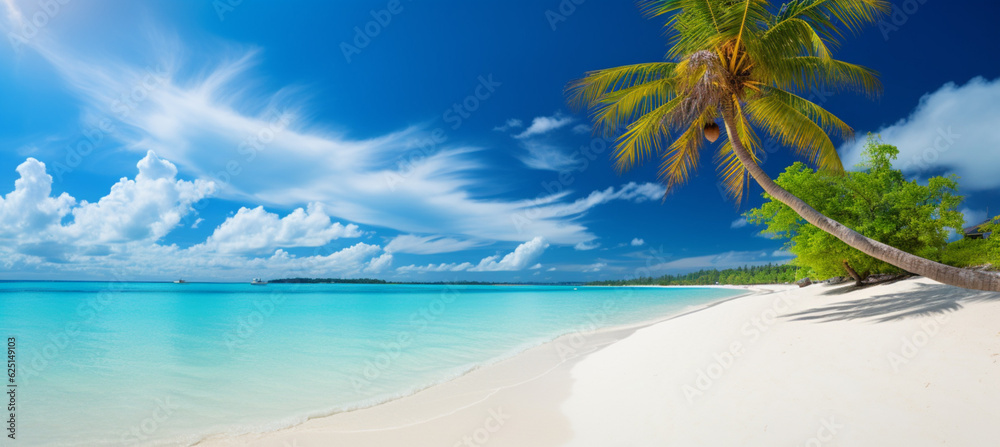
(404,140)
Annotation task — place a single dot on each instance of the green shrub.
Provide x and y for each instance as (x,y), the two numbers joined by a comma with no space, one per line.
(876,201)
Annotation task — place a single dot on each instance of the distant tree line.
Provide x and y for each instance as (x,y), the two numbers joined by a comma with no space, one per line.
(327,281)
(747,275)
(419,283)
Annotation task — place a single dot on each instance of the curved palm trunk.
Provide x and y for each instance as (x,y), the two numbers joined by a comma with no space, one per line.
(969,279)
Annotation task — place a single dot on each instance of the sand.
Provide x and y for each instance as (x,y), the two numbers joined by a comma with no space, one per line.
(911,363)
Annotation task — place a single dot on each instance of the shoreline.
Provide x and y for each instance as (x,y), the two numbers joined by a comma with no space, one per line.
(617,333)
(768,367)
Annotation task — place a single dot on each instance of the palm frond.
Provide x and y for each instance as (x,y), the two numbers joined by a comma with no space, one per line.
(825,14)
(588,91)
(618,108)
(796,37)
(681,158)
(799,124)
(732,175)
(642,138)
(805,73)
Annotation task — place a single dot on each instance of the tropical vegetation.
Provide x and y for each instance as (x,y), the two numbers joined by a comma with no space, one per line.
(968,252)
(746,275)
(748,64)
(876,200)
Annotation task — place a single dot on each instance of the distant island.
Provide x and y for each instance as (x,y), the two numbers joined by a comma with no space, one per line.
(742,276)
(430,283)
(327,281)
(747,275)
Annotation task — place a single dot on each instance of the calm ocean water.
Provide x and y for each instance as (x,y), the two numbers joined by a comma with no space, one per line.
(167,364)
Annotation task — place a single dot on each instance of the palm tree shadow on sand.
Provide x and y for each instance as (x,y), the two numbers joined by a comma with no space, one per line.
(926,299)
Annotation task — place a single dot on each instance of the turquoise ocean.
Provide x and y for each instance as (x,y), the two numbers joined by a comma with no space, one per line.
(168,364)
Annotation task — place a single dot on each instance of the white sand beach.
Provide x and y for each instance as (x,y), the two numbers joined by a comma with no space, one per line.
(911,363)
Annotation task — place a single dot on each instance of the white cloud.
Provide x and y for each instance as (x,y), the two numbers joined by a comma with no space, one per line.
(544,124)
(146,208)
(586,246)
(594,268)
(544,157)
(739,223)
(379,264)
(116,236)
(519,259)
(29,209)
(536,266)
(582,129)
(256,230)
(951,129)
(636,242)
(143,209)
(428,245)
(512,123)
(151,261)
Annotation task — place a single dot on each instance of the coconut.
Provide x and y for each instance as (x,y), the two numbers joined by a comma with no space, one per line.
(711,132)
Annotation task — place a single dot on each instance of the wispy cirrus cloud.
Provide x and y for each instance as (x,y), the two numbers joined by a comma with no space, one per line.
(544,124)
(429,245)
(265,151)
(545,157)
(509,125)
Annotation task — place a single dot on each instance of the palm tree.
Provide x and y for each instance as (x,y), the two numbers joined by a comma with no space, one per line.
(740,62)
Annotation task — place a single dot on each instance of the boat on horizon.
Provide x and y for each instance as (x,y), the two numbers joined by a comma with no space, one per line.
(180,281)
(258,282)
